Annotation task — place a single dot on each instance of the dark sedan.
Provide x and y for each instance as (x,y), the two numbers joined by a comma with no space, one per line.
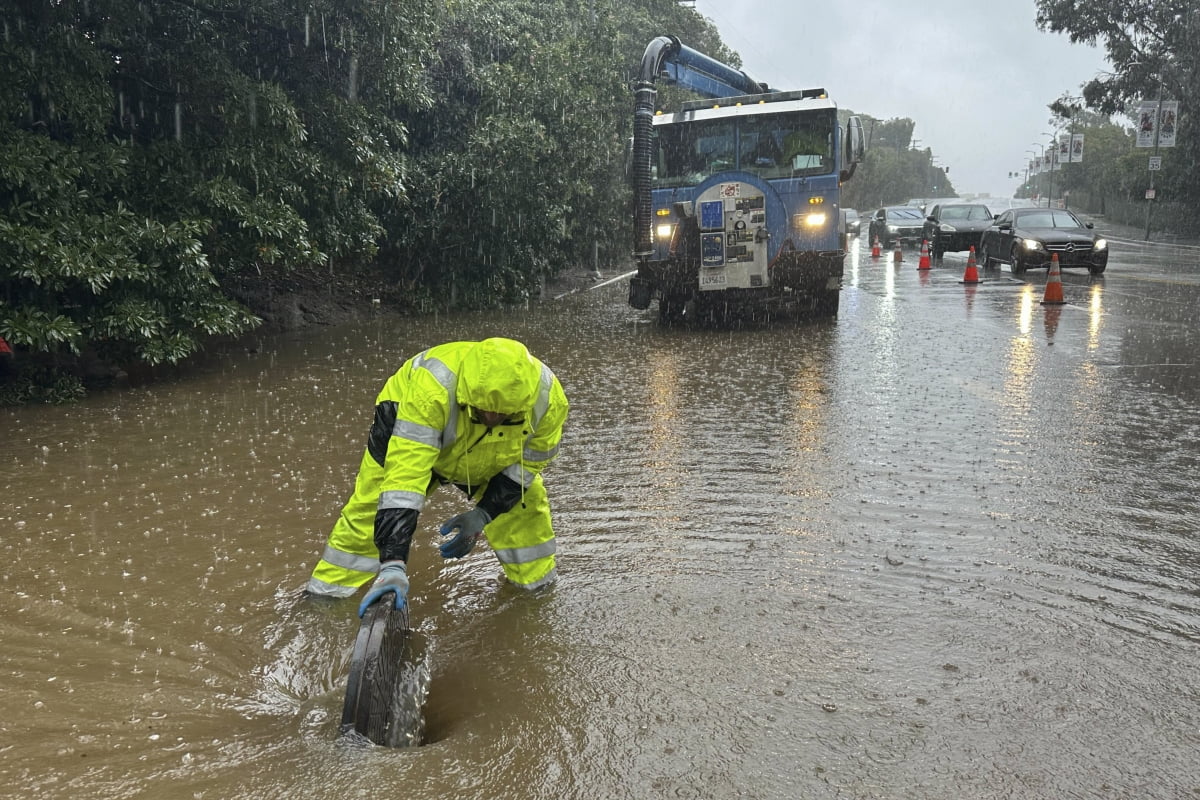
(1027,238)
(953,227)
(896,223)
(853,222)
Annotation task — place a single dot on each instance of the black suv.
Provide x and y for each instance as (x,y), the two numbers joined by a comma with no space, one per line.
(952,227)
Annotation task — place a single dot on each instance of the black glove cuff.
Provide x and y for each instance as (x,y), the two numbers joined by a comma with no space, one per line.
(501,494)
(394,528)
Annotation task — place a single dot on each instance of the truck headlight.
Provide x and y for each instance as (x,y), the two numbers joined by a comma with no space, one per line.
(1100,244)
(813,219)
(663,232)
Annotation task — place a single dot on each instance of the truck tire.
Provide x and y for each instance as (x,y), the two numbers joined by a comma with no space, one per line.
(669,308)
(828,302)
(640,293)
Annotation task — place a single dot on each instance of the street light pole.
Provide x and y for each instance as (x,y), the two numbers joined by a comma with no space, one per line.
(1041,162)
(1157,122)
(1030,152)
(1053,160)
(1070,108)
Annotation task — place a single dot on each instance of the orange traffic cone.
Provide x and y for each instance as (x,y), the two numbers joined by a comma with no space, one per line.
(876,250)
(971,274)
(1054,292)
(923,262)
(897,254)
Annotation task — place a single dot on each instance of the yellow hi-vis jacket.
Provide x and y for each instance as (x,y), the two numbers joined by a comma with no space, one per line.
(425,434)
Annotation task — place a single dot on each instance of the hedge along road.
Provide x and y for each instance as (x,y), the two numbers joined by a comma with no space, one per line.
(941,547)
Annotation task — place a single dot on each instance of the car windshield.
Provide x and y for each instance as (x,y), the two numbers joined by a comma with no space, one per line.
(904,213)
(966,212)
(1048,218)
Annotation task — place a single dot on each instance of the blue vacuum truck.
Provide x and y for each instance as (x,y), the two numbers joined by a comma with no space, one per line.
(737,196)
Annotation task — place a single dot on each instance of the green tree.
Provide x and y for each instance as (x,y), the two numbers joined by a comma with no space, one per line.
(151,150)
(518,171)
(1151,47)
(892,172)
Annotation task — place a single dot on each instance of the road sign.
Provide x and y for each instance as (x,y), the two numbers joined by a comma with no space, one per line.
(1149,194)
(1155,163)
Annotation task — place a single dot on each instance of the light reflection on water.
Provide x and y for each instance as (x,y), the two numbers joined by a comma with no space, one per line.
(896,555)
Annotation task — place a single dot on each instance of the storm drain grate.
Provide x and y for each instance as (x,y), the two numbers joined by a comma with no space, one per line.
(388,682)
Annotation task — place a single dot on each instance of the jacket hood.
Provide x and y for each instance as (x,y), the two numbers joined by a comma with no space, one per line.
(499,375)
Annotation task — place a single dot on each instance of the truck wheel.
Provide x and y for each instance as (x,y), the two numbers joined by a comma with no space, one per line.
(640,293)
(670,307)
(827,303)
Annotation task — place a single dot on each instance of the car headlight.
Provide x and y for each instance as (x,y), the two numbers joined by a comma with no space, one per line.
(947,228)
(893,229)
(1032,244)
(1100,244)
(663,232)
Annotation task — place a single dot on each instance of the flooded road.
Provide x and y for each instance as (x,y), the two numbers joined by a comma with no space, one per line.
(942,547)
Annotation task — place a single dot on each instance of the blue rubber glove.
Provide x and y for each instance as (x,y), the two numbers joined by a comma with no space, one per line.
(469,525)
(392,578)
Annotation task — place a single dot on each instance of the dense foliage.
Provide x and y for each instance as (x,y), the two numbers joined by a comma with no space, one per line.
(151,153)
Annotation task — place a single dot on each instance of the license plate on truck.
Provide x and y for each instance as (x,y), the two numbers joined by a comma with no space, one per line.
(711,280)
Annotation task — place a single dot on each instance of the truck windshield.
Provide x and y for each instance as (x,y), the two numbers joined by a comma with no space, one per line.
(781,145)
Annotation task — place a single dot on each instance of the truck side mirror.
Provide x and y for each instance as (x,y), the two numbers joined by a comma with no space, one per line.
(854,146)
(855,141)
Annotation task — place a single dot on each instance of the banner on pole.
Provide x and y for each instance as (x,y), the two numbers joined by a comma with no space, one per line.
(1076,148)
(1157,121)
(1147,122)
(1168,120)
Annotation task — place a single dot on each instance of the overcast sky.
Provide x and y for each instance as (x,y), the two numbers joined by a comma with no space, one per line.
(975,76)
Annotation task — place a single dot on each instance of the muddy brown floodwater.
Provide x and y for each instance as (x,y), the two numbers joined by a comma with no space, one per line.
(942,547)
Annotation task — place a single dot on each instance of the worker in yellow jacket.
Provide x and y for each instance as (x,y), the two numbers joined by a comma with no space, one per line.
(486,416)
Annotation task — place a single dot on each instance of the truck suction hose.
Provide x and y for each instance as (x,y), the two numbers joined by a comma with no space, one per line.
(693,70)
(645,95)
